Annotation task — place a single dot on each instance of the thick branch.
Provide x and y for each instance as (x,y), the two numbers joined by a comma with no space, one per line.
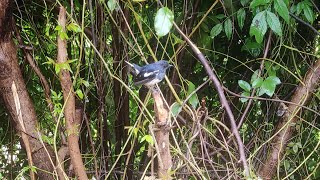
(284,129)
(162,136)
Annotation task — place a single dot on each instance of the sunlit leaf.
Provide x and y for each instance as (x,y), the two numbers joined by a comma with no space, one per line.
(79,93)
(163,21)
(74,27)
(147,138)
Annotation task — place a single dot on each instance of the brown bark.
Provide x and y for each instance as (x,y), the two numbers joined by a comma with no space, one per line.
(284,129)
(162,136)
(72,123)
(10,73)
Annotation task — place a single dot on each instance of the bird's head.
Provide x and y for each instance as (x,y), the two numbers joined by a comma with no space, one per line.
(165,64)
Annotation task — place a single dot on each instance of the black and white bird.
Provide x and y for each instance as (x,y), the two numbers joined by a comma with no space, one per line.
(150,74)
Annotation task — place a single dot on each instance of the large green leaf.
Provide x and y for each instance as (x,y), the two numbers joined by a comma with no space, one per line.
(308,13)
(216,30)
(241,16)
(163,21)
(228,28)
(274,23)
(259,26)
(282,9)
(244,85)
(269,85)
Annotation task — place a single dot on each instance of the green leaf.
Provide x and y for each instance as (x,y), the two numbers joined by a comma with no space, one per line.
(58,28)
(269,85)
(257,83)
(241,16)
(261,91)
(300,7)
(79,93)
(282,9)
(193,100)
(63,35)
(113,5)
(286,164)
(254,76)
(163,21)
(147,138)
(244,85)
(216,30)
(176,109)
(74,27)
(176,39)
(246,94)
(252,47)
(274,23)
(59,66)
(256,3)
(295,148)
(228,28)
(308,13)
(259,26)
(244,2)
(274,79)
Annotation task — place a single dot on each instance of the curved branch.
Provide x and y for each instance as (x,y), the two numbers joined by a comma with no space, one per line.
(222,97)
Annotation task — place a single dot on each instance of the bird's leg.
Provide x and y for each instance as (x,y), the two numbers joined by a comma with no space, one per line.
(154,88)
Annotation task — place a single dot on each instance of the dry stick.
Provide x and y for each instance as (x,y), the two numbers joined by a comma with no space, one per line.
(72,123)
(222,97)
(23,135)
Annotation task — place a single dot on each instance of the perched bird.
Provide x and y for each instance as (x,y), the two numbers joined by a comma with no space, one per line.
(150,74)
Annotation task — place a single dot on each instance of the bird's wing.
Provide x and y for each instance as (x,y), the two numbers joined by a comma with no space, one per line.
(135,69)
(145,76)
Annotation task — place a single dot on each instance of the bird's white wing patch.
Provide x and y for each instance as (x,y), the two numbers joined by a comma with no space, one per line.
(150,73)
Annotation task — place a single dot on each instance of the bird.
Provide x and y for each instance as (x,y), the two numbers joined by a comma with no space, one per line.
(150,74)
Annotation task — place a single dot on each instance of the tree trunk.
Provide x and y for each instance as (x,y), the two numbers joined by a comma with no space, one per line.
(10,73)
(284,129)
(72,122)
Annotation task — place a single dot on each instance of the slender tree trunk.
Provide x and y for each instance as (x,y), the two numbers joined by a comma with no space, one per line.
(72,122)
(10,73)
(284,129)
